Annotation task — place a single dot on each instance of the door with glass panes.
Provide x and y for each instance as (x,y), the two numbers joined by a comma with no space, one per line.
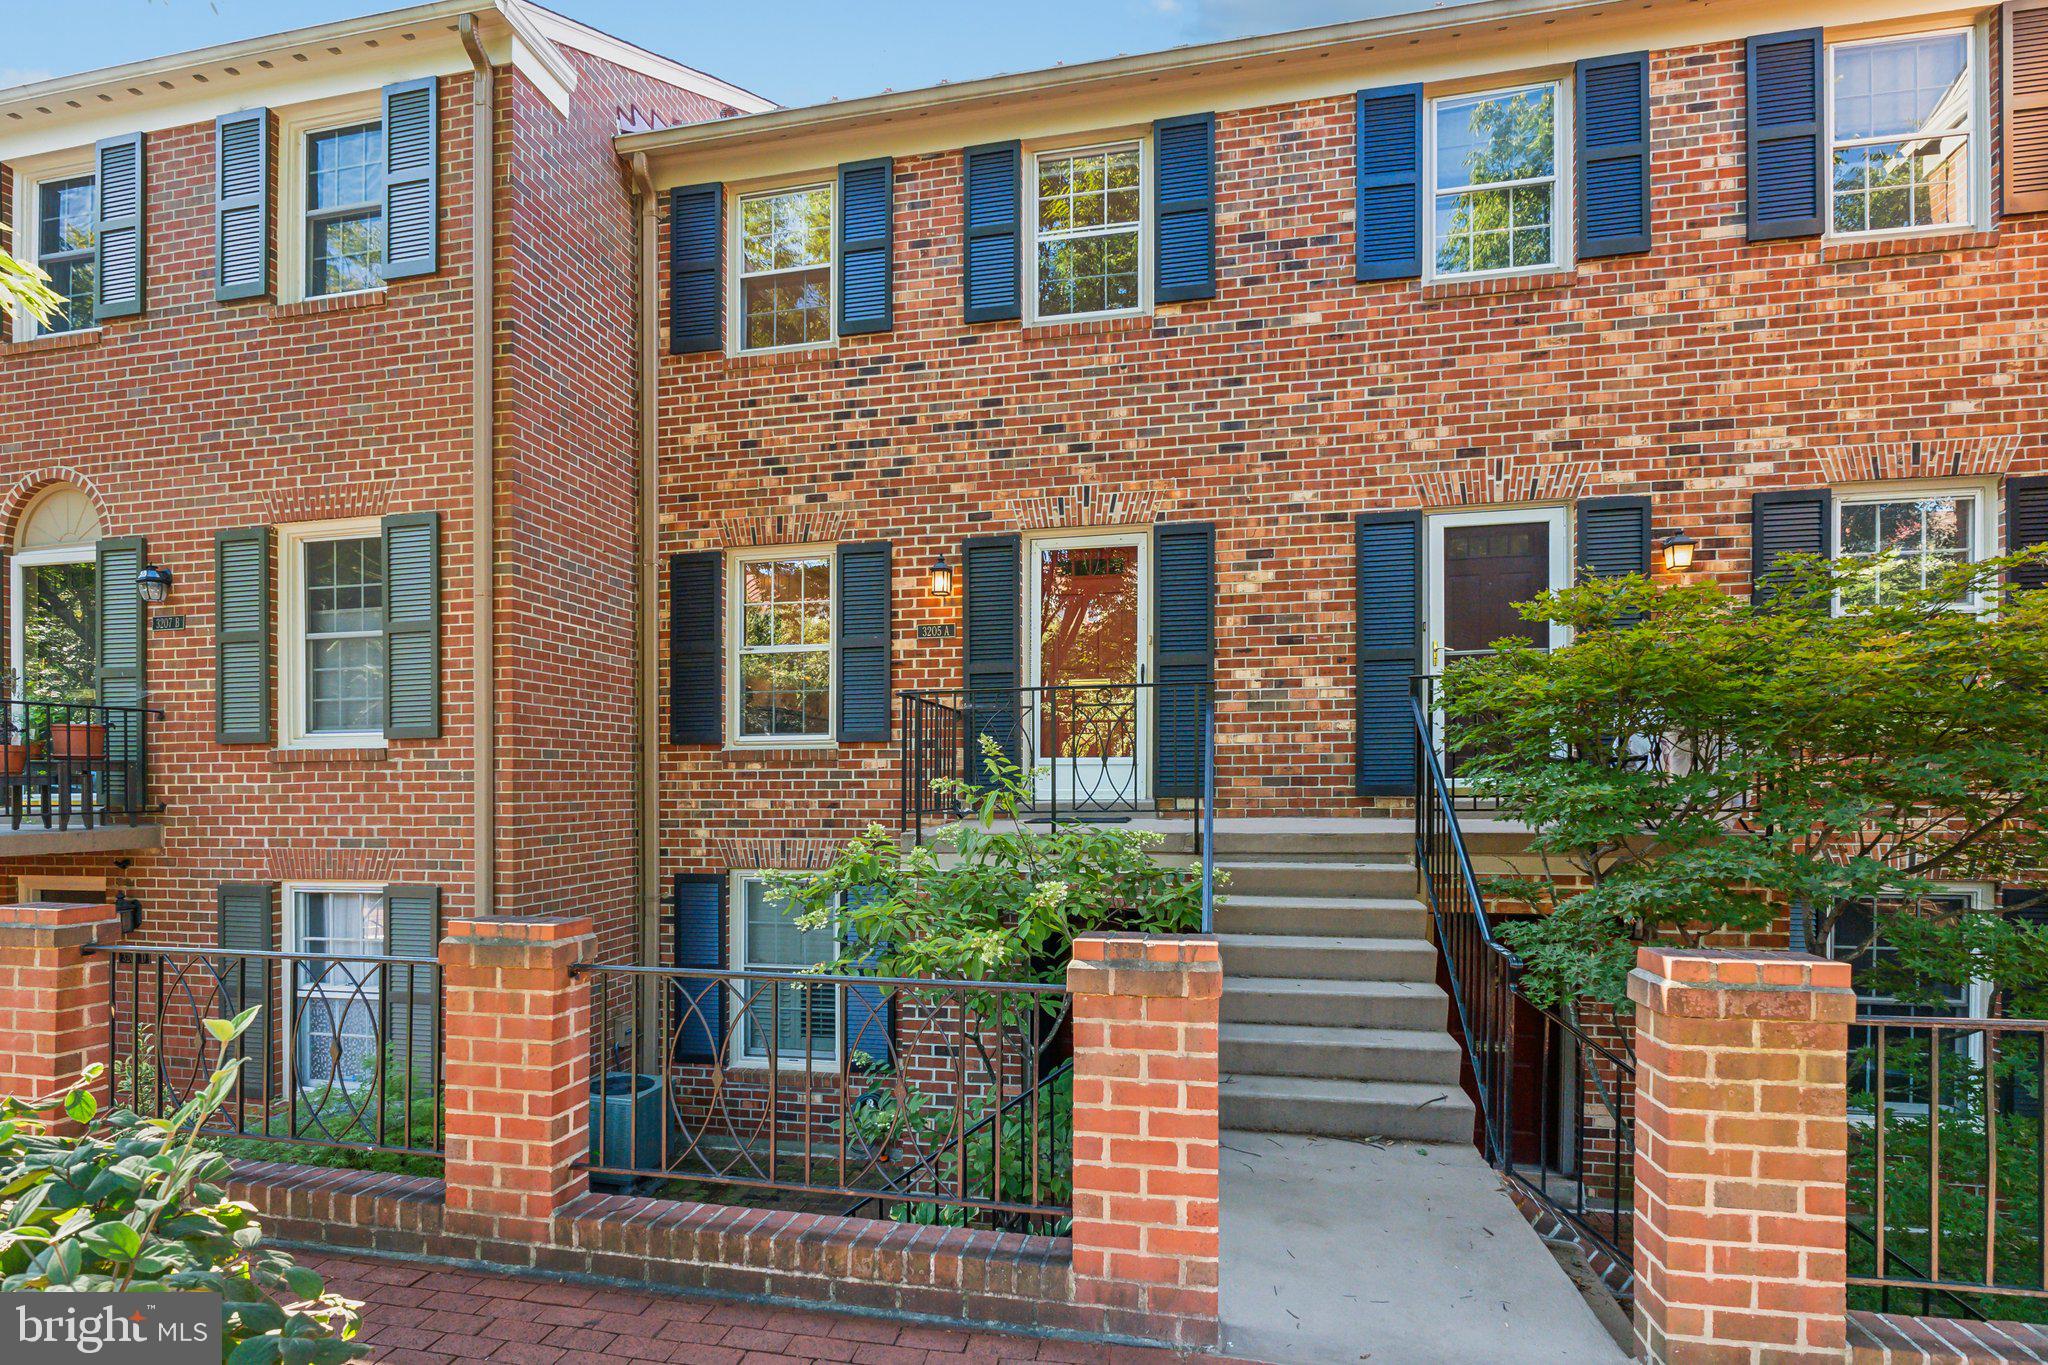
(1085,710)
(1481,566)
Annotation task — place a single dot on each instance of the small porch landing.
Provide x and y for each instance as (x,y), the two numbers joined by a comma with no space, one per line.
(1338,1251)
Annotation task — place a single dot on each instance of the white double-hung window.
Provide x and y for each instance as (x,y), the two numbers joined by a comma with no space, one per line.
(784,280)
(1903,133)
(331,659)
(1497,187)
(1903,540)
(1088,232)
(781,653)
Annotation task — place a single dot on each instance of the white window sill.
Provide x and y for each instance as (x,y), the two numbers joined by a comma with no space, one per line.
(741,746)
(802,348)
(316,743)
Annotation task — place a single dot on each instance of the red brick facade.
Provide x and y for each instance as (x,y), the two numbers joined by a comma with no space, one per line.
(199,416)
(1697,373)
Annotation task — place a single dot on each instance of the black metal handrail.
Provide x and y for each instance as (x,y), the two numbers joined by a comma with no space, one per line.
(808,1089)
(1555,1105)
(77,760)
(346,1052)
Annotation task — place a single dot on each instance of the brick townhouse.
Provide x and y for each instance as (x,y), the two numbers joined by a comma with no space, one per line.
(349,311)
(1285,366)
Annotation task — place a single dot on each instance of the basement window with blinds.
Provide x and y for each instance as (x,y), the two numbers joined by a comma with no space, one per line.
(796,1024)
(1902,132)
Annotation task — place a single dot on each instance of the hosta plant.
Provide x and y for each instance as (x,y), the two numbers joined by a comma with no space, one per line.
(131,1204)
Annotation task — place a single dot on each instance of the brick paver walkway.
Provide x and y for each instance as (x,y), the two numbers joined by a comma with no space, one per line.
(432,1315)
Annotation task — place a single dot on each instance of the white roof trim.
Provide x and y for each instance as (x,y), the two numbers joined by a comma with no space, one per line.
(567,32)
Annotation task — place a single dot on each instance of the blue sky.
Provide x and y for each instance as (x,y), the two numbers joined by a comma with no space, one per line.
(794,51)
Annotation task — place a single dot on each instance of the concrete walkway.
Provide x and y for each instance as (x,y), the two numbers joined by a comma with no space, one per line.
(1402,1254)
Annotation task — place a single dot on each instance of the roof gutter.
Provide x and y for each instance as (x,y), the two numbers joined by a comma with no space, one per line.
(1263,49)
(483,475)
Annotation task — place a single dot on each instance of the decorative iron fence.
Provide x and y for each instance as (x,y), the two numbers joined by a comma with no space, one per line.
(926,1101)
(345,1054)
(1556,1101)
(1948,1165)
(62,761)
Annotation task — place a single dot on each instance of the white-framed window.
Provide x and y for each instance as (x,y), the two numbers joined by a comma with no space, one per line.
(799,1024)
(37,889)
(331,198)
(334,1004)
(783,667)
(1905,537)
(1499,177)
(1904,115)
(782,289)
(331,652)
(56,211)
(1855,939)
(1090,232)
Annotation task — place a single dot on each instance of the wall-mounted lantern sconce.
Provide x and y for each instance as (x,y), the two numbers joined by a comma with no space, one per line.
(1678,548)
(130,911)
(942,577)
(153,585)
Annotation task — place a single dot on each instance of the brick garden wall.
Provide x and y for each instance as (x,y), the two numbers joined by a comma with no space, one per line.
(1698,373)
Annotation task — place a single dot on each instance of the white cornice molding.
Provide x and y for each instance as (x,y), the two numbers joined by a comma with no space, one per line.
(566,32)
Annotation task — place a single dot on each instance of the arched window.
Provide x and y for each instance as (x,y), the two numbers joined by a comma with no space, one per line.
(53,600)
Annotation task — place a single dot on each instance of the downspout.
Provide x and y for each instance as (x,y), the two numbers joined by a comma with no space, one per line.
(646,405)
(483,473)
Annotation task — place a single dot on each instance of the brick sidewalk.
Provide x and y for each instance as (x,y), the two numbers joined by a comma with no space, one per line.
(433,1315)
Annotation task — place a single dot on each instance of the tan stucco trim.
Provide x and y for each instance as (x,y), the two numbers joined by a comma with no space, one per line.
(483,473)
(1436,47)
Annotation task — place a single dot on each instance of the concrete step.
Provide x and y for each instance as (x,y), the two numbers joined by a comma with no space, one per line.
(1348,1109)
(1313,838)
(1344,880)
(1335,1004)
(1362,916)
(1325,958)
(1342,1054)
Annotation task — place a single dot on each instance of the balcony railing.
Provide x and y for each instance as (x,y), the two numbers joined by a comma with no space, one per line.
(65,762)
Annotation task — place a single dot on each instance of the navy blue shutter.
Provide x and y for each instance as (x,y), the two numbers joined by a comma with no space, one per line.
(992,224)
(870,1010)
(864,700)
(1184,159)
(866,296)
(694,588)
(696,223)
(1389,207)
(118,226)
(1784,142)
(1614,537)
(1389,555)
(412,178)
(992,570)
(1787,522)
(241,205)
(2026,526)
(697,1005)
(1184,629)
(1614,154)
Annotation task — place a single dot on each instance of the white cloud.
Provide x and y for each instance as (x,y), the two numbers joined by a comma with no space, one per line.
(1234,18)
(11,76)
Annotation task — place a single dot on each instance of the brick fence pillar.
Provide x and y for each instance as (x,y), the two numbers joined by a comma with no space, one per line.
(1146,1239)
(1741,1156)
(56,999)
(516,1072)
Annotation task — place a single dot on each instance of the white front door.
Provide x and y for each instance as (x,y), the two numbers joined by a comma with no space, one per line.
(1481,567)
(1088,630)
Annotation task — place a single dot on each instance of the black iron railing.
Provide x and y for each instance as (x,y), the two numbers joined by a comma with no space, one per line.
(929,1101)
(1556,1103)
(64,761)
(346,1052)
(1948,1165)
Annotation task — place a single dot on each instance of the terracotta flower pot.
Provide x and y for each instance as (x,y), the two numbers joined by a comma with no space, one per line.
(13,759)
(78,741)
